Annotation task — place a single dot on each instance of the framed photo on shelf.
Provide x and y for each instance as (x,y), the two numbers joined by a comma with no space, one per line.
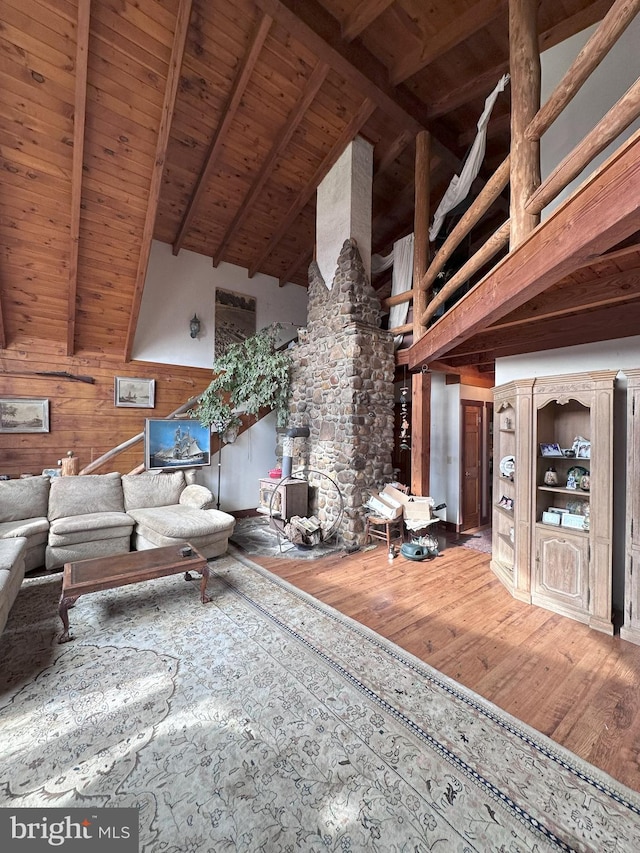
(135,393)
(550,450)
(24,414)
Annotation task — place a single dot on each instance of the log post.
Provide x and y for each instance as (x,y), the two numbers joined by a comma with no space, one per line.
(524,64)
(420,433)
(421,229)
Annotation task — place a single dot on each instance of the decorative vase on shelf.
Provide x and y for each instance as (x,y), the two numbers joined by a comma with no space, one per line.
(551,476)
(585,482)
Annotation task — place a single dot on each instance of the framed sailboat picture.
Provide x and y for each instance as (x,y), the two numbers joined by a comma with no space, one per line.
(171,443)
(139,393)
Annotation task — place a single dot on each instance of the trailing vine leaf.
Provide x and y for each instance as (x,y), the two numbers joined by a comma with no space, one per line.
(250,375)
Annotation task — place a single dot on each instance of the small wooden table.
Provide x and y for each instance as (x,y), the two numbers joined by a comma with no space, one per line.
(86,576)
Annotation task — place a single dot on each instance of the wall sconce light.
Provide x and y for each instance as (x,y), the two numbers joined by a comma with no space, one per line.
(194,326)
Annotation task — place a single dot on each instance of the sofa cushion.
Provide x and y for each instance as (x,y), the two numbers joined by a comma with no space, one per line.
(12,569)
(183,522)
(151,490)
(34,529)
(87,528)
(197,496)
(58,555)
(26,498)
(86,494)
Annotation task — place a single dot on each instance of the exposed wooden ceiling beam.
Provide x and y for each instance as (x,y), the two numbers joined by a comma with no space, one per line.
(302,260)
(228,114)
(79,120)
(601,213)
(168,105)
(462,26)
(311,25)
(480,85)
(315,81)
(365,13)
(348,134)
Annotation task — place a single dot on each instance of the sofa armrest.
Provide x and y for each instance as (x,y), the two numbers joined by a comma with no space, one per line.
(197,496)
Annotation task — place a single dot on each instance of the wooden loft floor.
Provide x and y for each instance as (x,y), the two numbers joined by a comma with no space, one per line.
(577,686)
(564,285)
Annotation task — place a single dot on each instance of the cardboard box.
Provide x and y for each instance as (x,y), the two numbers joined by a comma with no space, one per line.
(417,512)
(384,507)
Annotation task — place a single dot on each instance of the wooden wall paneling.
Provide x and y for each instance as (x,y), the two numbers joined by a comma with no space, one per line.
(83,416)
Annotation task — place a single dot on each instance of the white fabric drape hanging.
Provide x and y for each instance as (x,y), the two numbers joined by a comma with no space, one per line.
(402,279)
(460,185)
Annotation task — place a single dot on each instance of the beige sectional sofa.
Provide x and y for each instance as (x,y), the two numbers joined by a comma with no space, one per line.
(75,518)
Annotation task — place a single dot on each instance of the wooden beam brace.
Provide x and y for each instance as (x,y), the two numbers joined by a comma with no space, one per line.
(168,105)
(614,23)
(357,20)
(315,81)
(348,134)
(602,212)
(228,114)
(79,120)
(619,117)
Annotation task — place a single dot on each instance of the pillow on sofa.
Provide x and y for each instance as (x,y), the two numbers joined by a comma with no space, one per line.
(151,490)
(20,499)
(197,496)
(85,494)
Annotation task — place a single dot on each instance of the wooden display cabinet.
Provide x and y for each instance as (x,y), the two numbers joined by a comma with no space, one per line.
(630,629)
(511,524)
(572,563)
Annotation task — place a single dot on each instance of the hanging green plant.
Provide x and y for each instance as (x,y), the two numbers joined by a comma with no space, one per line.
(250,375)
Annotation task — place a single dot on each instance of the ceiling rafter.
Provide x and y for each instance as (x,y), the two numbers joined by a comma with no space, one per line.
(365,111)
(79,120)
(300,261)
(462,26)
(168,106)
(315,81)
(321,34)
(365,13)
(229,112)
(481,84)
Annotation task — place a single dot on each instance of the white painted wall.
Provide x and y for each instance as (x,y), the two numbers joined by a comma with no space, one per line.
(178,286)
(610,80)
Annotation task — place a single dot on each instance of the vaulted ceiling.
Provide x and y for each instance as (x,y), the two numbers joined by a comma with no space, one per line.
(208,125)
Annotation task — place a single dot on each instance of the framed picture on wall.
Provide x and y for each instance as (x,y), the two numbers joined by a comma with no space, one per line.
(172,443)
(24,414)
(136,393)
(235,319)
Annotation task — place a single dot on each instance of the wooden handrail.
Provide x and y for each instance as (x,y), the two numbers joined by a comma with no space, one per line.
(497,241)
(614,23)
(471,217)
(619,117)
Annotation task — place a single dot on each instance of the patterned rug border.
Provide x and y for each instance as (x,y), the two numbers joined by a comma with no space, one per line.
(567,759)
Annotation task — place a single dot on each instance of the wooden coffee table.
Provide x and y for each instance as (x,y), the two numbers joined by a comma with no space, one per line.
(86,576)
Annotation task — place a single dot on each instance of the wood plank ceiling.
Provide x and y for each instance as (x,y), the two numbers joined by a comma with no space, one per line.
(208,124)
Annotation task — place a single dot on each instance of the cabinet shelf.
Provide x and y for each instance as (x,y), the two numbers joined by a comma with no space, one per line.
(570,531)
(562,490)
(503,509)
(504,538)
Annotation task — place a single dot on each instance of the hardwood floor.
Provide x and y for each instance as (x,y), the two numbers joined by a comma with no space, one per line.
(579,687)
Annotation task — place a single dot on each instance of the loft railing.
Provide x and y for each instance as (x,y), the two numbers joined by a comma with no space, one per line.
(618,118)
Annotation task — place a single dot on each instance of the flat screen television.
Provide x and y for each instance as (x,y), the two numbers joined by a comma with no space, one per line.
(171,443)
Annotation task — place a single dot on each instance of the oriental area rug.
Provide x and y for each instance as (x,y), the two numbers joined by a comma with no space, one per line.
(266,721)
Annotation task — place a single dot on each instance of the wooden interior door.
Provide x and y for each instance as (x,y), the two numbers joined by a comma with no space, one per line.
(471,468)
